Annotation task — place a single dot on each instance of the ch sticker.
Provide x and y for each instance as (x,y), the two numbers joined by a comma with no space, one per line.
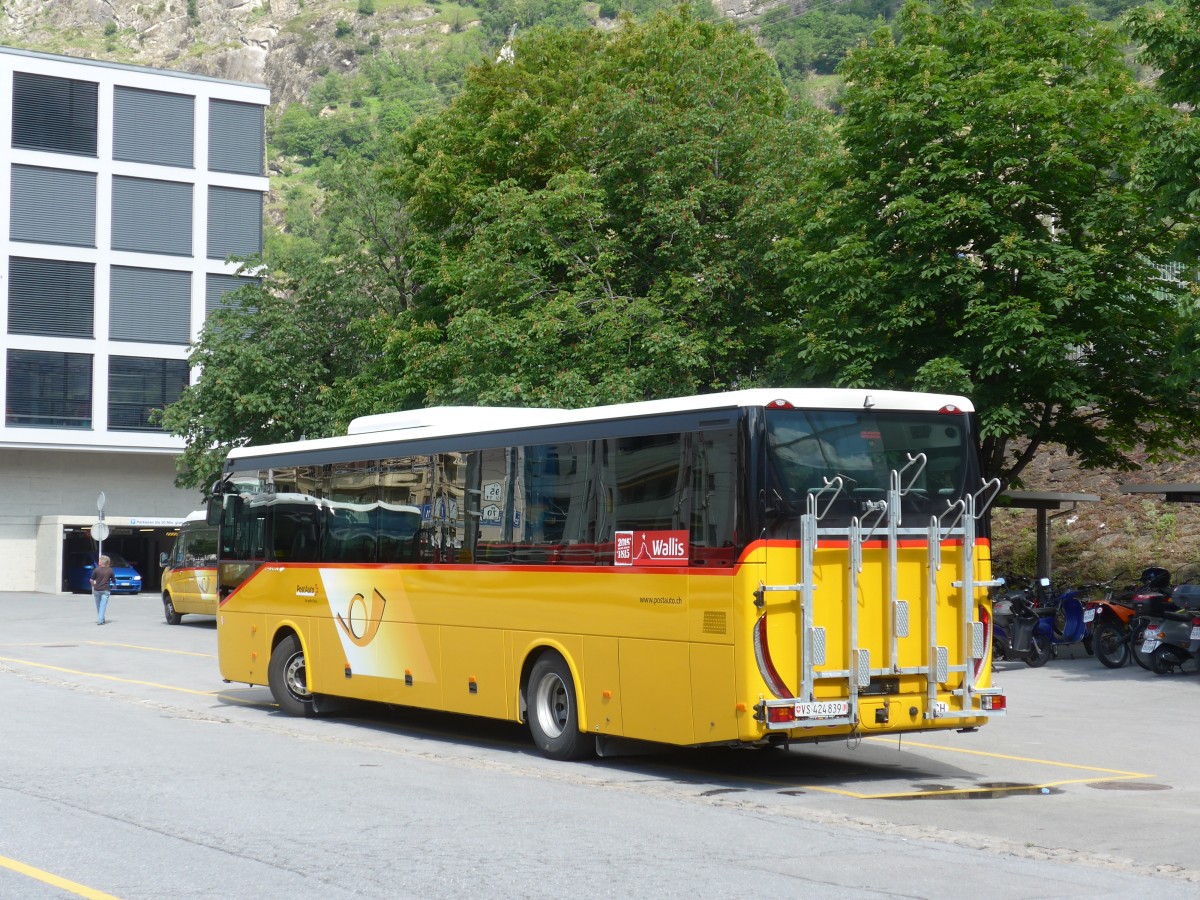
(362,623)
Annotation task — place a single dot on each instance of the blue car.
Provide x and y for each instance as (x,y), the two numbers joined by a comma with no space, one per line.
(77,573)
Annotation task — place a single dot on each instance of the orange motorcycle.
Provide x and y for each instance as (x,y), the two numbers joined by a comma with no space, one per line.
(1113,618)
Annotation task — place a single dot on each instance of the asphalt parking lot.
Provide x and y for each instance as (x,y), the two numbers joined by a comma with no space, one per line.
(1091,765)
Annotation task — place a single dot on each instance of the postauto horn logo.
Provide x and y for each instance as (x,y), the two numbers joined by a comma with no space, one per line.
(361,623)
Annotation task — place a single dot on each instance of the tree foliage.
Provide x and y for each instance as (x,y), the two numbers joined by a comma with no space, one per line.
(592,219)
(1170,37)
(982,233)
(283,358)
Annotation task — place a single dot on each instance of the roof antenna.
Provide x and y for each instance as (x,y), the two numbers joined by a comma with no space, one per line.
(507,54)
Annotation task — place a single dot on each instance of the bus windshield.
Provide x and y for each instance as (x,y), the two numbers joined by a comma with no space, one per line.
(808,448)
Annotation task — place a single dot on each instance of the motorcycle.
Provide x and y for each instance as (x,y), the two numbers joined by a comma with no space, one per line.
(1167,631)
(1111,620)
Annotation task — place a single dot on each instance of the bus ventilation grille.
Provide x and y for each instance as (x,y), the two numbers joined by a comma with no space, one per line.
(714,623)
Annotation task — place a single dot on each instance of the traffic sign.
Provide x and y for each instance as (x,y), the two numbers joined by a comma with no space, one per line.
(99,531)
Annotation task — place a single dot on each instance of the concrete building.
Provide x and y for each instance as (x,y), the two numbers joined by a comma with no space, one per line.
(124,191)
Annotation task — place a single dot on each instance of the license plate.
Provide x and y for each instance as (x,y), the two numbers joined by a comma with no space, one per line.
(1195,636)
(1148,645)
(823,709)
(1089,615)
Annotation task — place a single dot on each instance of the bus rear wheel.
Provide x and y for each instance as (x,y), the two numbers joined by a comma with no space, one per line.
(552,710)
(288,677)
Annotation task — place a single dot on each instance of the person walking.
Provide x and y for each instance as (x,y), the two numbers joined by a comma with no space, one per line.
(102,577)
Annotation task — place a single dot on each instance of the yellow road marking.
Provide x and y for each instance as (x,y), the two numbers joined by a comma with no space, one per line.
(1044,762)
(151,649)
(1108,775)
(168,687)
(54,880)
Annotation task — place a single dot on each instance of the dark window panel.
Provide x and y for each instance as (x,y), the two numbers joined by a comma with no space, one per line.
(137,387)
(54,114)
(51,297)
(49,390)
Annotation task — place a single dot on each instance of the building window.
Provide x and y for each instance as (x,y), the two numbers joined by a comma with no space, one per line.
(153,127)
(53,206)
(151,216)
(150,305)
(137,387)
(54,114)
(49,390)
(50,297)
(234,223)
(218,287)
(235,137)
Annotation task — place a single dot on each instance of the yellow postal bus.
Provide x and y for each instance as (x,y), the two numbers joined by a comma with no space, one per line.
(753,567)
(189,578)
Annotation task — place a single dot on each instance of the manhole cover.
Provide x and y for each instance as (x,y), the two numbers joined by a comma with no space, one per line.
(1128,786)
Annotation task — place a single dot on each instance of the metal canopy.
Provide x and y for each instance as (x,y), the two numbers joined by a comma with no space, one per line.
(1171,493)
(1043,502)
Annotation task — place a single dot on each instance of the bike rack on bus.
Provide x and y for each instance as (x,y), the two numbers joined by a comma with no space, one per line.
(969,510)
(964,513)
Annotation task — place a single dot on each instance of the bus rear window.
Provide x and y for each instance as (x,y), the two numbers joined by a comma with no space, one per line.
(806,449)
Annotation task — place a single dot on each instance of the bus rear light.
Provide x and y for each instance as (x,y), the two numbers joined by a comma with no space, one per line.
(985,619)
(993,702)
(779,404)
(781,714)
(950,410)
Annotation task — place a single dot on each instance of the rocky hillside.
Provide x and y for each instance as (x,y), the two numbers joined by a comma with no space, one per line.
(1097,540)
(285,44)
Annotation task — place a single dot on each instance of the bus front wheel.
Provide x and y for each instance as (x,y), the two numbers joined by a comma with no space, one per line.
(172,617)
(552,711)
(288,678)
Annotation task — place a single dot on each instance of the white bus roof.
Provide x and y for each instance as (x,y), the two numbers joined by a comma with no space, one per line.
(456,421)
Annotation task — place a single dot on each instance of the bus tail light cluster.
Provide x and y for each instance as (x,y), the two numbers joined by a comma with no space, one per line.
(985,619)
(993,702)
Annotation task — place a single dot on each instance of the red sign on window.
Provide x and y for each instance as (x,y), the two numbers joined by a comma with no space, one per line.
(651,548)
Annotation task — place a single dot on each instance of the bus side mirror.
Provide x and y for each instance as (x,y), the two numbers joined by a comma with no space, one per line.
(162,560)
(212,515)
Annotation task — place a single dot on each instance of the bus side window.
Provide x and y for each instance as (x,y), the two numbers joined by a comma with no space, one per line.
(651,483)
(295,532)
(713,533)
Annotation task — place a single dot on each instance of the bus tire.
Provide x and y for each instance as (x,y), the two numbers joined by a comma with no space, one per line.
(287,676)
(169,613)
(552,710)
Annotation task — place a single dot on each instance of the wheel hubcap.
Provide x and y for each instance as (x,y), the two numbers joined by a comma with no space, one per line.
(294,677)
(553,705)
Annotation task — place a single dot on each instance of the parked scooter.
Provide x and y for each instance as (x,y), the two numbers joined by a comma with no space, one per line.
(1018,631)
(1167,632)
(1112,618)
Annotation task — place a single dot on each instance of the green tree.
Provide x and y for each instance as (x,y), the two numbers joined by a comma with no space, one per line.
(1170,37)
(284,359)
(591,220)
(982,234)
